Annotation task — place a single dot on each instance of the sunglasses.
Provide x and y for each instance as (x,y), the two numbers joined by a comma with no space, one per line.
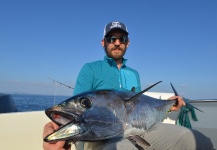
(112,39)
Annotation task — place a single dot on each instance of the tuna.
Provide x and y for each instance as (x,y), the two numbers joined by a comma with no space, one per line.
(107,114)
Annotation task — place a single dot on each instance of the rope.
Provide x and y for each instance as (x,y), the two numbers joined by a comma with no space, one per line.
(183,118)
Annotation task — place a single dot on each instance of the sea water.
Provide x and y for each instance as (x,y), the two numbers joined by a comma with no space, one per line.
(29,102)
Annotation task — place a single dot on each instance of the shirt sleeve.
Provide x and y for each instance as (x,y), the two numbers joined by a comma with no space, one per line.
(84,80)
(138,89)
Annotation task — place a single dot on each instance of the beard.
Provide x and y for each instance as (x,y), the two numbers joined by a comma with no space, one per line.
(116,53)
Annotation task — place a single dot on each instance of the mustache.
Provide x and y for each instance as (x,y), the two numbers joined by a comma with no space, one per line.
(117,47)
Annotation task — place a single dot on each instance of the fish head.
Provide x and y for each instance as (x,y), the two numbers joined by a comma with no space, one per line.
(90,116)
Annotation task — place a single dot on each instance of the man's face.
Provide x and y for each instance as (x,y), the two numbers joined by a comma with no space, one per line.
(115,44)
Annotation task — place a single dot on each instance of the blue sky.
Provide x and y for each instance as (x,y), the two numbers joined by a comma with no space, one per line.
(173,41)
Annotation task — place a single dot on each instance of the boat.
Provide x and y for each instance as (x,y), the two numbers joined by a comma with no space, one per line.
(23,130)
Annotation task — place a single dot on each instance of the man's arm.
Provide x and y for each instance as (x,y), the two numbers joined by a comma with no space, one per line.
(84,80)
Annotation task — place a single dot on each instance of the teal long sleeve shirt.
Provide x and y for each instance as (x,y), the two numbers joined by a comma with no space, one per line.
(104,74)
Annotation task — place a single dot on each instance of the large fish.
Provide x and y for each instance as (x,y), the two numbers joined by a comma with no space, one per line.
(107,114)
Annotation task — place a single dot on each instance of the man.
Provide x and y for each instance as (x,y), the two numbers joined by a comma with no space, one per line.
(112,73)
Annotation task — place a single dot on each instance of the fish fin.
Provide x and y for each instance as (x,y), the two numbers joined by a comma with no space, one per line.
(176,94)
(193,107)
(140,93)
(133,89)
(139,142)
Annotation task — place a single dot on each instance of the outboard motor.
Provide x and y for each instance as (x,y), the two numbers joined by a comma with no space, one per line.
(7,103)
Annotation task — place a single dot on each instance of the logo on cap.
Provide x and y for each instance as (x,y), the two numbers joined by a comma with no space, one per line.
(115,25)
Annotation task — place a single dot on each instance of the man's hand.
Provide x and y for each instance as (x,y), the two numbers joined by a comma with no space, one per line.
(180,102)
(48,129)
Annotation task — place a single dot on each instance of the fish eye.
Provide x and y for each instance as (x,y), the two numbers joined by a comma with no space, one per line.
(85,102)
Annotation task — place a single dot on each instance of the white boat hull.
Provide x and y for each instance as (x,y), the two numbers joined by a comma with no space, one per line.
(207,121)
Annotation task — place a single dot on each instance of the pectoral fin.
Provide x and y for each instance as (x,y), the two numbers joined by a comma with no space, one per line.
(139,142)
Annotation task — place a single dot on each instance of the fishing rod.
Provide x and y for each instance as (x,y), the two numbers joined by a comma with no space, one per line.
(60,83)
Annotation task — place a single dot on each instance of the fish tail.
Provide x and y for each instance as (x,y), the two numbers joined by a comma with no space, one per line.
(188,104)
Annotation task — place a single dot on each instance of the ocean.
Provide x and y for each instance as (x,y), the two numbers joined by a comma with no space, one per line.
(29,102)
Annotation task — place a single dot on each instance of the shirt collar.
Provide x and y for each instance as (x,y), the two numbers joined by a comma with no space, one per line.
(112,62)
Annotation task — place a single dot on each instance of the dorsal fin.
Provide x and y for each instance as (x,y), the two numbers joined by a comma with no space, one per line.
(176,94)
(140,93)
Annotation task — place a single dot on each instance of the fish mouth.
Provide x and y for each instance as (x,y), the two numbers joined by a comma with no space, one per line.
(62,117)
(66,132)
(71,125)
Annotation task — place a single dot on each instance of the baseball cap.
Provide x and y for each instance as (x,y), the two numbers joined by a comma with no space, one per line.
(115,25)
